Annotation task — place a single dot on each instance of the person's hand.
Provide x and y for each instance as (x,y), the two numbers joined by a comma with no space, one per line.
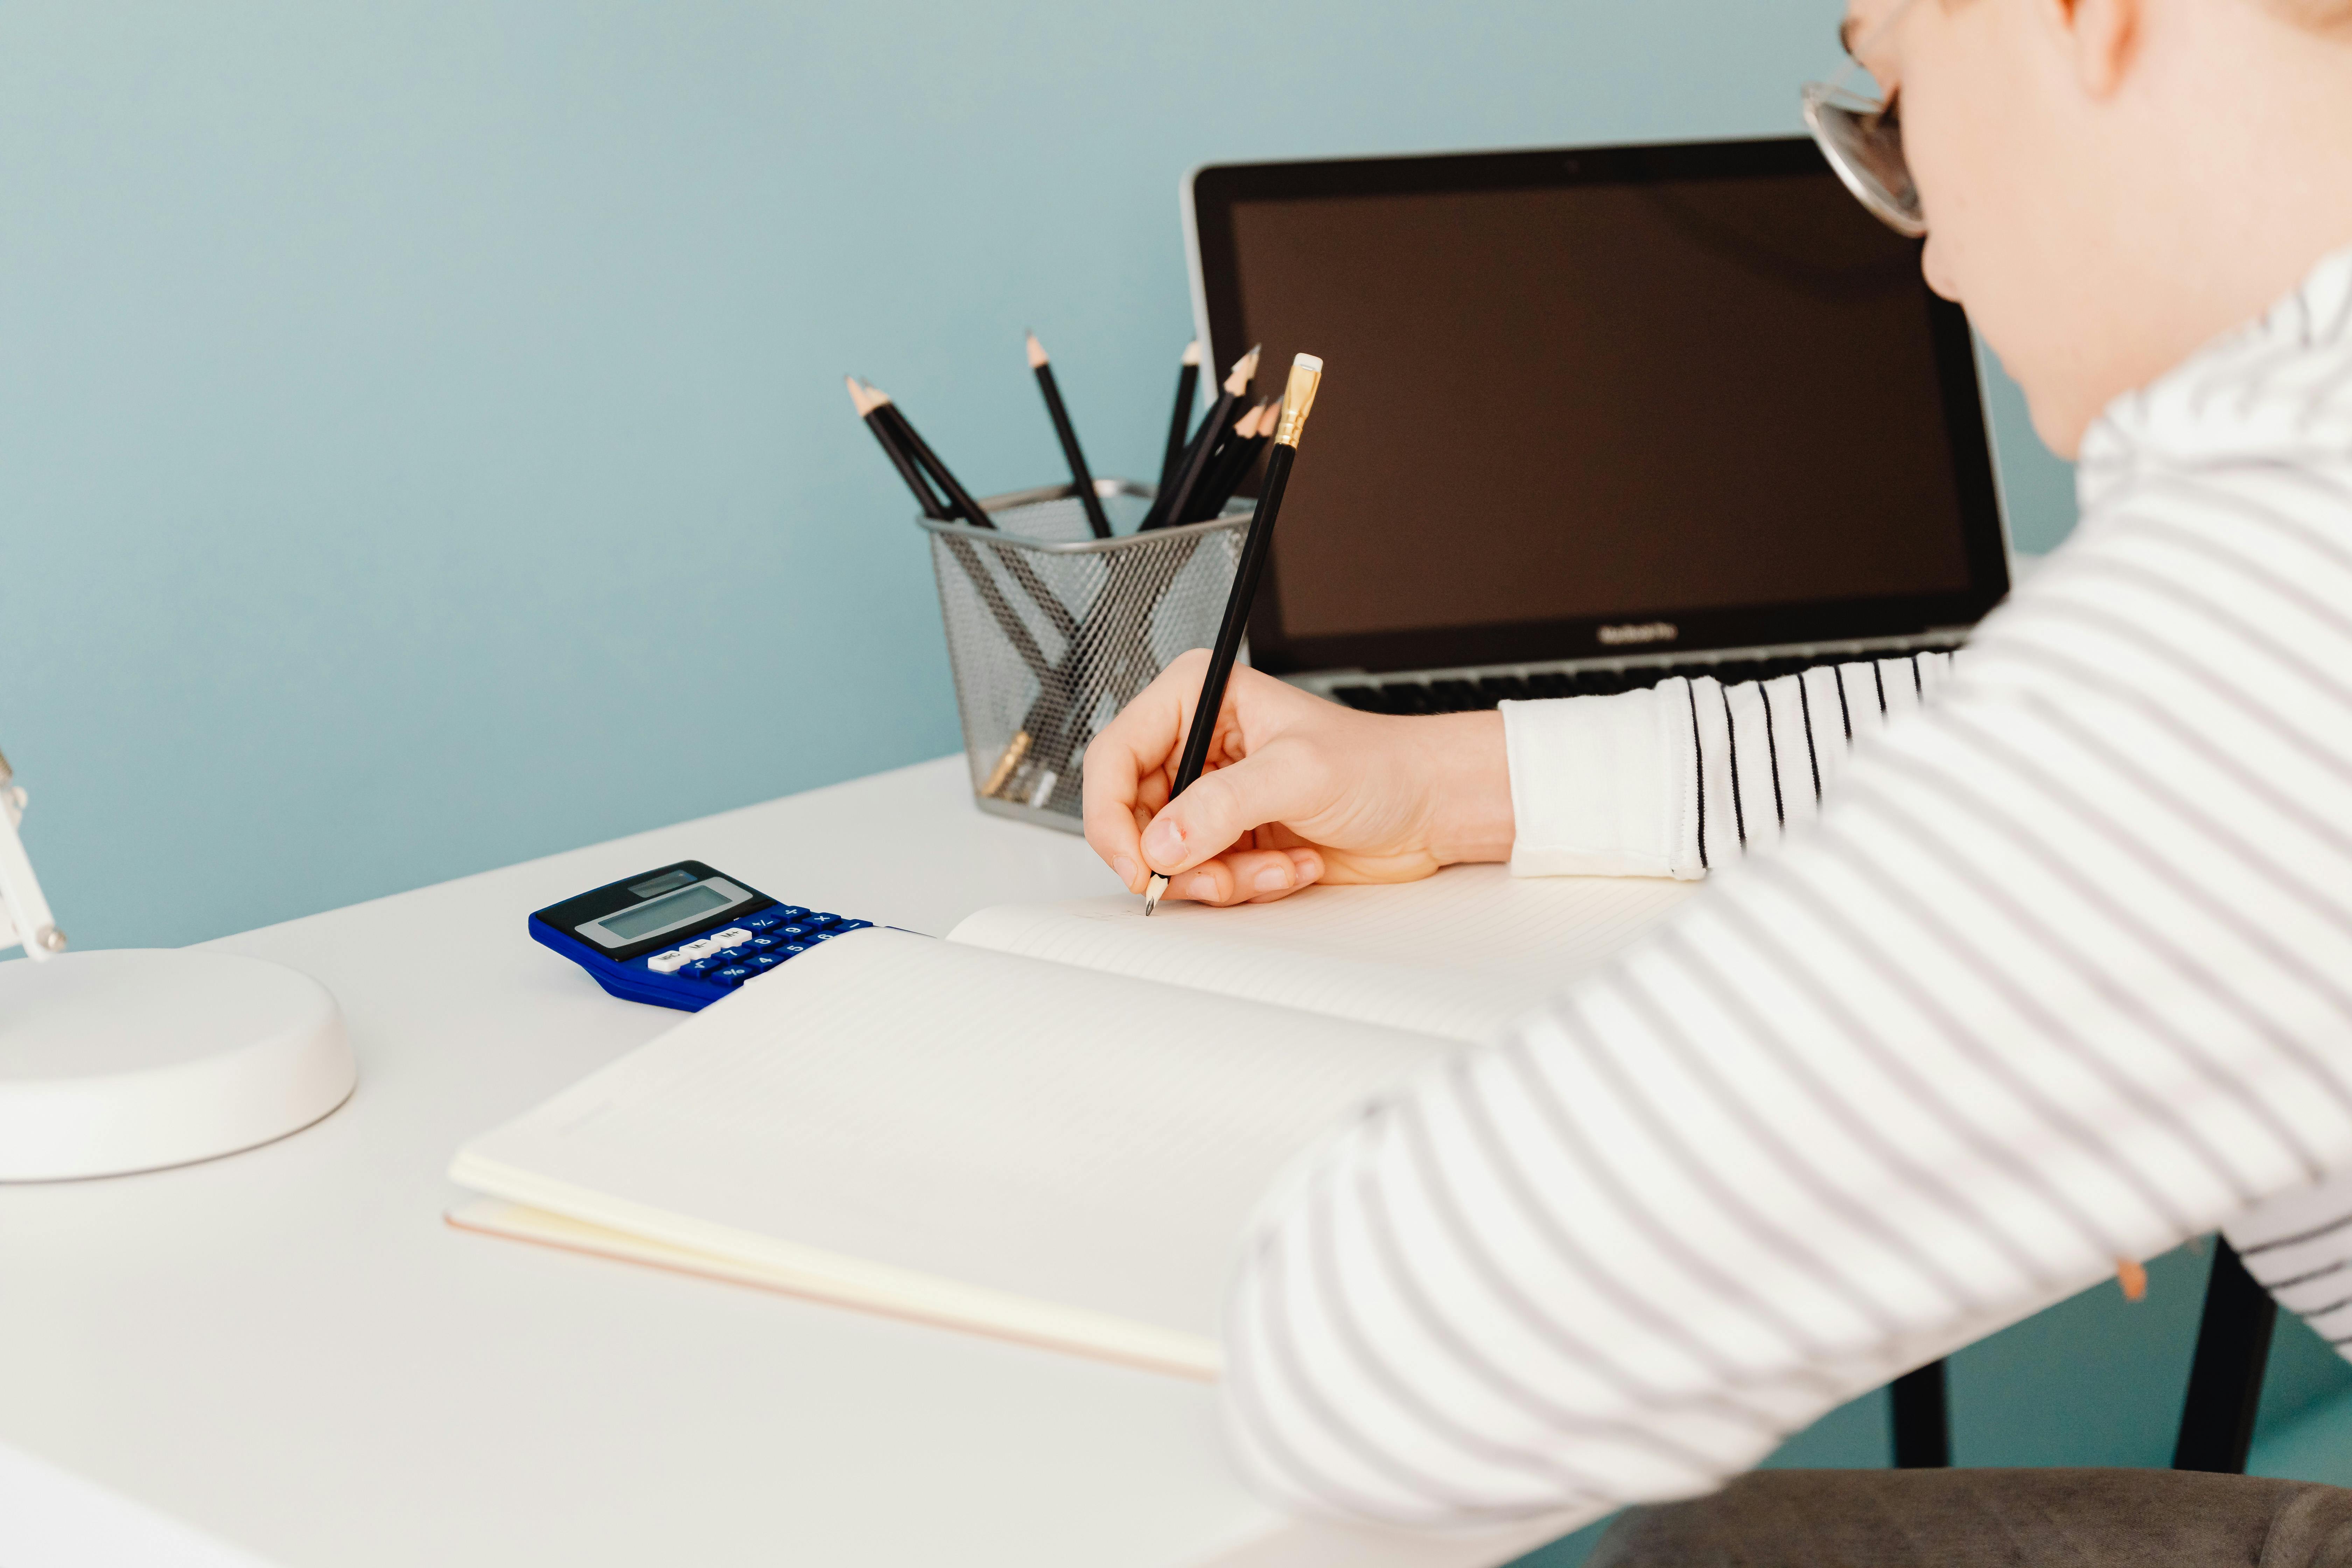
(1297,790)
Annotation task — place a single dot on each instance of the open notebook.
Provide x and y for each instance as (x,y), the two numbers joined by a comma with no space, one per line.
(1053,1125)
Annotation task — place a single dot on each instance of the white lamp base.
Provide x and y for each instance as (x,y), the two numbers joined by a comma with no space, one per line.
(141,1057)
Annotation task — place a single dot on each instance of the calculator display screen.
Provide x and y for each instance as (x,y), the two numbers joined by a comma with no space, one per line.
(646,918)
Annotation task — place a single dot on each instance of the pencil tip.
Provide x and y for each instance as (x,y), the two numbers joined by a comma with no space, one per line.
(1152,891)
(1036,353)
(858,395)
(1245,368)
(1192,351)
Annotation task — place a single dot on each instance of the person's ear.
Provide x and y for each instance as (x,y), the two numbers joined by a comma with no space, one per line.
(2098,37)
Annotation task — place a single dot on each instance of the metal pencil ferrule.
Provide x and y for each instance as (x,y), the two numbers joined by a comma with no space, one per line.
(1297,401)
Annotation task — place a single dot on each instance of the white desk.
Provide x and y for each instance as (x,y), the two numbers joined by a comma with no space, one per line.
(289,1350)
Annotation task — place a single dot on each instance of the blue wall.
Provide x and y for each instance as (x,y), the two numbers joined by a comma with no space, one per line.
(405,407)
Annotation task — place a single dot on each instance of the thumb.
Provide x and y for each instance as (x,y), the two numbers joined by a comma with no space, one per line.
(1273,785)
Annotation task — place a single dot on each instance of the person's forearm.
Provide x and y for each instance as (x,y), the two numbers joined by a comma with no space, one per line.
(1469,786)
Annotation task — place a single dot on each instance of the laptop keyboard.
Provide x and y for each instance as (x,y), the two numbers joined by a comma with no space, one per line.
(1468,696)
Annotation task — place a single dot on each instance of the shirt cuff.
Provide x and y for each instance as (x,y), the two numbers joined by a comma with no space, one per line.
(1600,786)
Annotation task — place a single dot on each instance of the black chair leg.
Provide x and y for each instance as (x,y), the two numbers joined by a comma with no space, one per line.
(2225,1381)
(1923,1425)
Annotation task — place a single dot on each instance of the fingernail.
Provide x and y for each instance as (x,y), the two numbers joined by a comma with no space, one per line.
(1162,844)
(1124,869)
(1273,879)
(1202,886)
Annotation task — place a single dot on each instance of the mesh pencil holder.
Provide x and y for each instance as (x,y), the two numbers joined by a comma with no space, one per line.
(1050,631)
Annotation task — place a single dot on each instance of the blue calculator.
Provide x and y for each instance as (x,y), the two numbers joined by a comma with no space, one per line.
(682,935)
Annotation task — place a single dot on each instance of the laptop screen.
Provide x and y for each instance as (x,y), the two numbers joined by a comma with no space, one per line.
(1583,402)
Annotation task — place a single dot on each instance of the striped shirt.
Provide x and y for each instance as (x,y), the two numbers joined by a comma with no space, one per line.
(2050,966)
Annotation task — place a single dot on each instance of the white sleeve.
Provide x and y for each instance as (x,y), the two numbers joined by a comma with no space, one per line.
(1688,775)
(1599,786)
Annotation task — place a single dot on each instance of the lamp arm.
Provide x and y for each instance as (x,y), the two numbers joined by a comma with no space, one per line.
(25,917)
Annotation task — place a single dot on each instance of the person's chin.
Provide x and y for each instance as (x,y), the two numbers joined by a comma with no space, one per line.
(2060,422)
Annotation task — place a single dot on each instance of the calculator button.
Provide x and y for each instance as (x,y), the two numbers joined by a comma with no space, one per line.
(733,954)
(732,974)
(760,943)
(668,963)
(818,918)
(787,911)
(766,920)
(730,936)
(766,961)
(701,948)
(700,968)
(845,927)
(796,931)
(792,948)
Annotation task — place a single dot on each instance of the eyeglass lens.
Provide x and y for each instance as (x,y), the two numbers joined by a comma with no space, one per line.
(1863,144)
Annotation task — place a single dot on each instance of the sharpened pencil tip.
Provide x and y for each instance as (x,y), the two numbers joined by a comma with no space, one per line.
(1152,891)
(1245,368)
(858,395)
(1192,351)
(1036,353)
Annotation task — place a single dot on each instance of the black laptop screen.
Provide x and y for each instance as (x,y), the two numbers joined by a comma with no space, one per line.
(1703,400)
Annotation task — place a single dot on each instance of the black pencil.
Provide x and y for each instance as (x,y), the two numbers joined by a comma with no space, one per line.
(1179,424)
(1173,499)
(1080,475)
(1231,464)
(875,408)
(900,458)
(961,503)
(1297,402)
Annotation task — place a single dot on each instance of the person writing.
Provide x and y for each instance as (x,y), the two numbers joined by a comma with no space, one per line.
(2049,965)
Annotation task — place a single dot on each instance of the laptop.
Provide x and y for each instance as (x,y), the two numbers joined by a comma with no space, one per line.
(1593,416)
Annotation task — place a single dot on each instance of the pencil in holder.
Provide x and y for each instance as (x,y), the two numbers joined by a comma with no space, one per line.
(1050,631)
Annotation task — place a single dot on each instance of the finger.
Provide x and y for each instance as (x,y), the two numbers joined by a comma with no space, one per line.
(1305,869)
(1239,876)
(1108,813)
(1126,769)
(1281,782)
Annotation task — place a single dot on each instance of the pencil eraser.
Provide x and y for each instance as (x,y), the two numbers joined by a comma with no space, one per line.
(1308,362)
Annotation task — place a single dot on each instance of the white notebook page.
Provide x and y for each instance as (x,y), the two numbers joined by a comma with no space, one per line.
(1461,953)
(989,1138)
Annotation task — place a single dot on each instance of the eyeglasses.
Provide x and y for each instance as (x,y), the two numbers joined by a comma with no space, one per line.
(1862,137)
